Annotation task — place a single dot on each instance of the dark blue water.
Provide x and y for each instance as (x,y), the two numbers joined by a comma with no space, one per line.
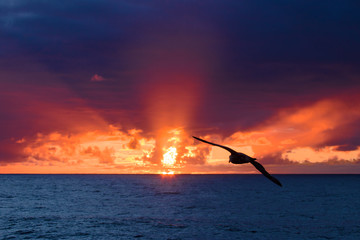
(179,207)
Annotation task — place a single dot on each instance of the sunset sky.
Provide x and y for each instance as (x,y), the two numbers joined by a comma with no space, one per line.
(93,86)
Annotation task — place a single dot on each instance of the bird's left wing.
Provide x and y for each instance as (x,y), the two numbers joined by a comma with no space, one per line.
(265,173)
(218,145)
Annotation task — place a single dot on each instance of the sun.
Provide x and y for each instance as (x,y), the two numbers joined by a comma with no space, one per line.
(169,157)
(170,152)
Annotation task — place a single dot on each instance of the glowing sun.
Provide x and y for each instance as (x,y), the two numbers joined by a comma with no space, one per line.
(169,157)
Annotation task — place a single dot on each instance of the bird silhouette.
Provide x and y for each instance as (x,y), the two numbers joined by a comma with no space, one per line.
(240,158)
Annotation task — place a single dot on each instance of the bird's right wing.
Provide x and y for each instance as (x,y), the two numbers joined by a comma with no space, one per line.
(265,173)
(226,148)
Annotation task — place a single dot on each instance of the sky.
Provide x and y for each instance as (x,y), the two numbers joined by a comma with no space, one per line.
(116,86)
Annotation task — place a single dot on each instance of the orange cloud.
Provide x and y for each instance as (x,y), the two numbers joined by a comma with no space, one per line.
(181,145)
(93,148)
(301,134)
(110,150)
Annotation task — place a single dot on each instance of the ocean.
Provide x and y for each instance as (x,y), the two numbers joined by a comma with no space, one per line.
(179,207)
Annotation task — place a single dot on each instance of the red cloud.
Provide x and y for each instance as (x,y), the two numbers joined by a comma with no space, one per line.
(97,78)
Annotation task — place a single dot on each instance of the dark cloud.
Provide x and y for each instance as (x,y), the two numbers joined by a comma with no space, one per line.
(133,144)
(346,136)
(11,152)
(346,147)
(275,158)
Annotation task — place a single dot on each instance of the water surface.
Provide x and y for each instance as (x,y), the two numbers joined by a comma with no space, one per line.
(179,207)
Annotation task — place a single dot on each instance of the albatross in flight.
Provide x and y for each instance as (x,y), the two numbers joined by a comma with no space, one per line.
(240,158)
